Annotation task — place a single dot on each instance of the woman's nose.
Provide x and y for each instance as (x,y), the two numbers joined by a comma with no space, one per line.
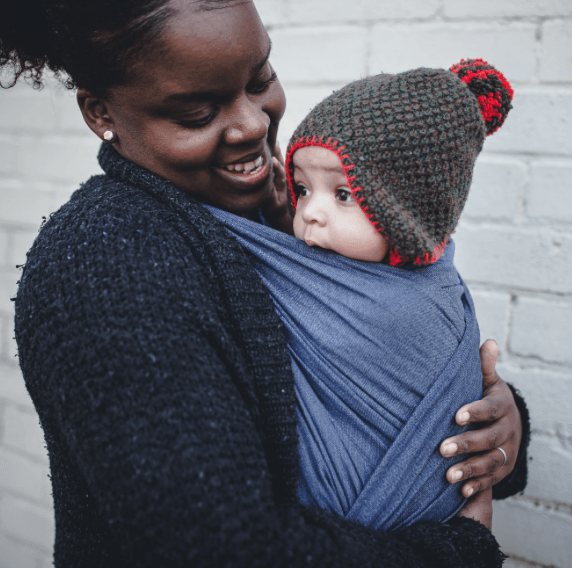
(249,123)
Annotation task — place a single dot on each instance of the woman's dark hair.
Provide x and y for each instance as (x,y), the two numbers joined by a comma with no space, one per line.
(89,44)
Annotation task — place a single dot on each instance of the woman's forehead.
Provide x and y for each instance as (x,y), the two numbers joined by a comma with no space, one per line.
(205,50)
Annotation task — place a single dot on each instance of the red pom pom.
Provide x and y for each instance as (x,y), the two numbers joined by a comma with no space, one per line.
(492,91)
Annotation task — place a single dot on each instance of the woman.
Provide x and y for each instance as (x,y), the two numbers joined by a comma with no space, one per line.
(151,350)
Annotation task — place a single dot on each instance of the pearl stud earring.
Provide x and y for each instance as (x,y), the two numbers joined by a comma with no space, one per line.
(109,136)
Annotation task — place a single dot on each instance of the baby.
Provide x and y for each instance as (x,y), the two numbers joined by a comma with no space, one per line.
(381,329)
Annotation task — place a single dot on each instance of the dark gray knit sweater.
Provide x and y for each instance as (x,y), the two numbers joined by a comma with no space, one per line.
(159,370)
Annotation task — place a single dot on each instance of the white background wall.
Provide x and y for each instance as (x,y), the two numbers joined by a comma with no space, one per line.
(514,243)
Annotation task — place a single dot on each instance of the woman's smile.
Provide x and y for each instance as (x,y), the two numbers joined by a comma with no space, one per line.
(247,174)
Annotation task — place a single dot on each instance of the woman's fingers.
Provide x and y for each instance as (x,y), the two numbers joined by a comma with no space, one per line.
(476,440)
(502,427)
(485,465)
(489,352)
(487,409)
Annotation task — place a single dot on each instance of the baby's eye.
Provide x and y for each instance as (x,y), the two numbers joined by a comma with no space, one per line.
(302,191)
(344,195)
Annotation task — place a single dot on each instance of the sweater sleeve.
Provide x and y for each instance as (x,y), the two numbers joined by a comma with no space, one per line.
(119,343)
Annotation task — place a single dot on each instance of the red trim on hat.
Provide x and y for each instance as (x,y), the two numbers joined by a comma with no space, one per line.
(396,259)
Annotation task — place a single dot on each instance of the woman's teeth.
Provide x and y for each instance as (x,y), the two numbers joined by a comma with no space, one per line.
(246,168)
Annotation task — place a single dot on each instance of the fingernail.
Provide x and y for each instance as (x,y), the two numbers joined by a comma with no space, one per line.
(450,449)
(464,417)
(457,476)
(469,491)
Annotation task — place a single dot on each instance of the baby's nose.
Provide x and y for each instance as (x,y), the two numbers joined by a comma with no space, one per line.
(315,210)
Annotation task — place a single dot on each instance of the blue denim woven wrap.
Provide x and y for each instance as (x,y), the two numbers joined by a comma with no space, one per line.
(382,358)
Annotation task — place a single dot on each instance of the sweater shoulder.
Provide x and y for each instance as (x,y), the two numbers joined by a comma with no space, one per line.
(114,215)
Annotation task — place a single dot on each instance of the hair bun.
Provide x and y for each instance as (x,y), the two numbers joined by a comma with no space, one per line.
(491,89)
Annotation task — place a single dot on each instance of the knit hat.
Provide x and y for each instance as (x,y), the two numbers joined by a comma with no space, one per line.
(408,144)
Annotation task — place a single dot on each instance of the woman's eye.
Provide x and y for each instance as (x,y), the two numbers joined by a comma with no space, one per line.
(260,85)
(199,122)
(345,195)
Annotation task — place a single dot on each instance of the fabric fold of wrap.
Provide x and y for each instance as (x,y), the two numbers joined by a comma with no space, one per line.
(382,358)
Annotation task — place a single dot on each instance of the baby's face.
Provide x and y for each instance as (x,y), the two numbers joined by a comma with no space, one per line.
(326,213)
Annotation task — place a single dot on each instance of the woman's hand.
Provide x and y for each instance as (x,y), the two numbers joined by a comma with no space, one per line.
(502,429)
(275,210)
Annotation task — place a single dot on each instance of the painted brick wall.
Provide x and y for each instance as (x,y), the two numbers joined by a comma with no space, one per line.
(514,243)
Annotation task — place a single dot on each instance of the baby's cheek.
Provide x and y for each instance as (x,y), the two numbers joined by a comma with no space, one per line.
(360,240)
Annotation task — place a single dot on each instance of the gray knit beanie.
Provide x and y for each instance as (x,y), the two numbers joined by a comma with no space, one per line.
(408,144)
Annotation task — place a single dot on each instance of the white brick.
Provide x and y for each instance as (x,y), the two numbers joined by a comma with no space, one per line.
(492,314)
(340,11)
(400,48)
(533,532)
(70,158)
(14,554)
(556,56)
(272,12)
(24,108)
(24,205)
(516,562)
(12,385)
(550,194)
(47,561)
(21,241)
(527,258)
(549,469)
(491,9)
(314,55)
(538,123)
(497,185)
(543,329)
(27,522)
(300,101)
(547,394)
(3,246)
(7,156)
(22,432)
(8,277)
(24,476)
(69,117)
(8,347)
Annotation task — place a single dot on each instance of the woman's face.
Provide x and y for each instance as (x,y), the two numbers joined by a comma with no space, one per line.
(202,111)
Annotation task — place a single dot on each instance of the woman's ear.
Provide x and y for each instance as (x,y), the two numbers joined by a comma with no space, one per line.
(96,115)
